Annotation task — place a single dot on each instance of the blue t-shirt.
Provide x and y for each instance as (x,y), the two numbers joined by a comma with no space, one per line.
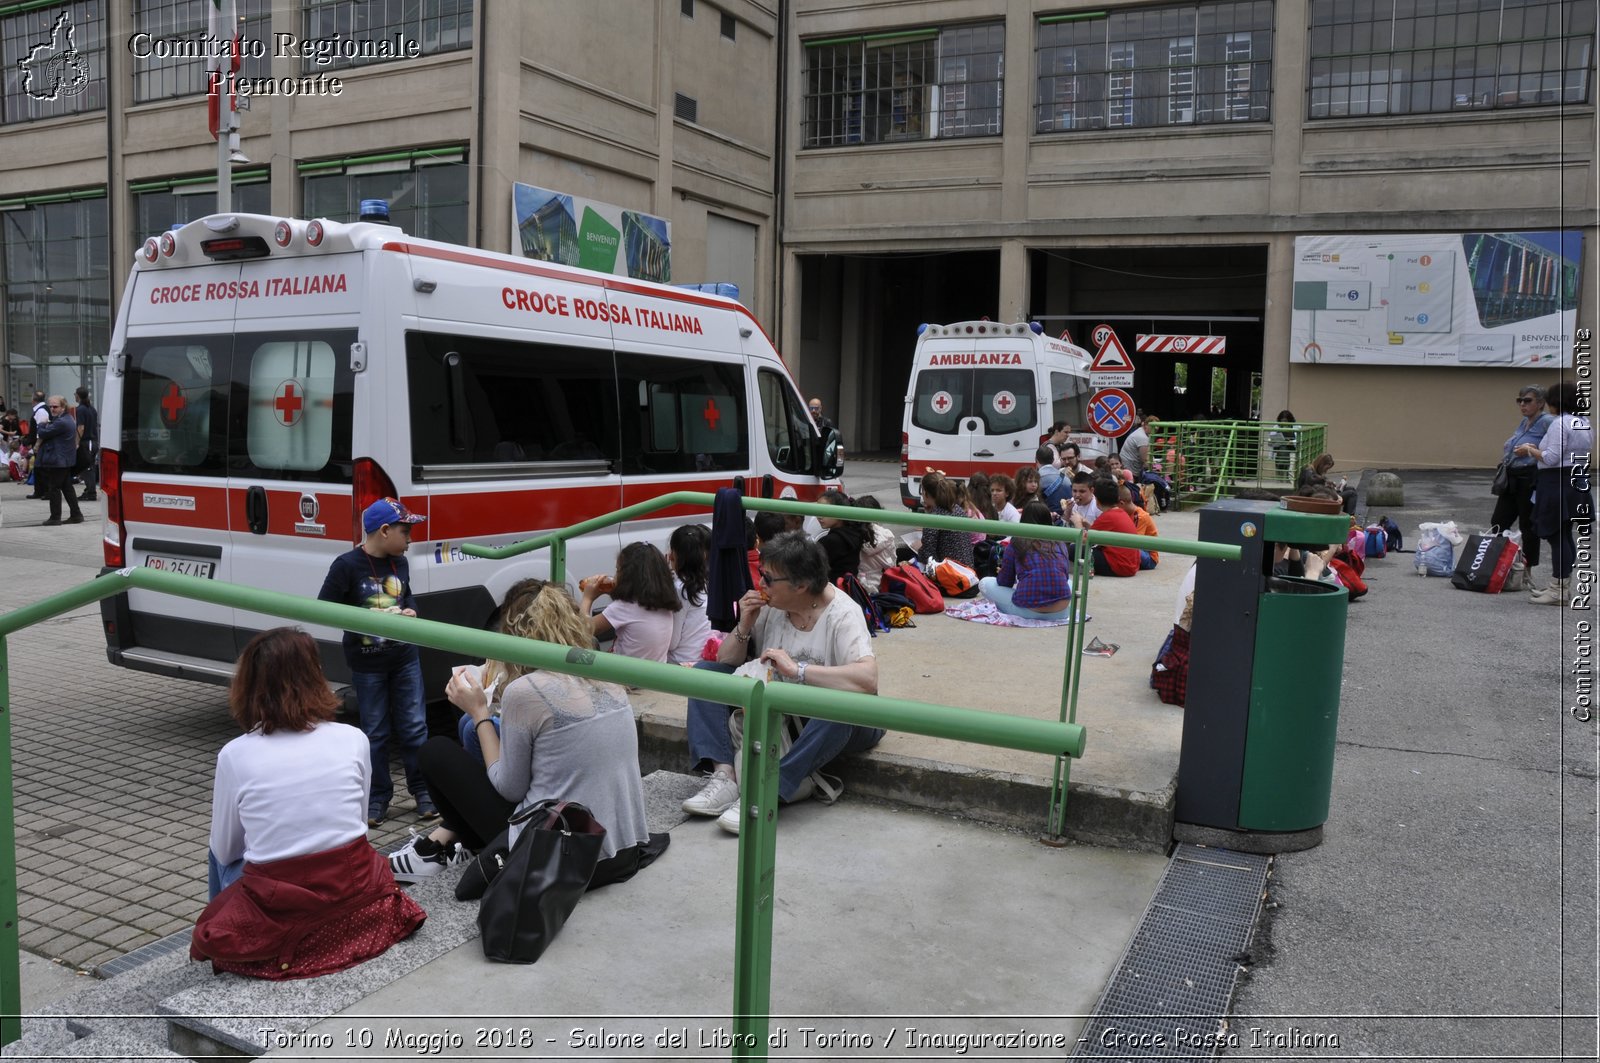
(358,578)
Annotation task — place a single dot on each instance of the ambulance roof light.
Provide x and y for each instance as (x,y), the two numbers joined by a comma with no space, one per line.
(175,226)
(314,233)
(375,210)
(151,250)
(222,223)
(922,328)
(283,233)
(1038,329)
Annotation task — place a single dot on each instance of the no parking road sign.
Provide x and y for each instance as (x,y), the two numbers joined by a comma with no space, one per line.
(1111,411)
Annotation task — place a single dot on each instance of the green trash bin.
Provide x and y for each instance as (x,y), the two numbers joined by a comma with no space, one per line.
(1294,706)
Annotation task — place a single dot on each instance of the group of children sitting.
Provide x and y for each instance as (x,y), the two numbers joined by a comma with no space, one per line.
(657,608)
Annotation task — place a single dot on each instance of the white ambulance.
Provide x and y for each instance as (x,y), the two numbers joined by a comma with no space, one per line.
(983,396)
(270,378)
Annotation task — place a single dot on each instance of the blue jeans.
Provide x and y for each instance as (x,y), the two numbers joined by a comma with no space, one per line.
(220,876)
(467,731)
(820,740)
(392,701)
(1001,597)
(1146,562)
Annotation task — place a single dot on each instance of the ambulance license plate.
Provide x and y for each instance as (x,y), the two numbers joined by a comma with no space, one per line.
(183,566)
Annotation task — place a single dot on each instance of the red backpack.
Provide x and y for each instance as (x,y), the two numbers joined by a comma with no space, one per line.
(907,579)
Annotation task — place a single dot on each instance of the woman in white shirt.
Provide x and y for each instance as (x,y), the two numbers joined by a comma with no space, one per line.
(1561,491)
(289,809)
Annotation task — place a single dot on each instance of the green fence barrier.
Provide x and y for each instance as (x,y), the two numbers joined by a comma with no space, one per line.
(1208,460)
(763,705)
(1061,775)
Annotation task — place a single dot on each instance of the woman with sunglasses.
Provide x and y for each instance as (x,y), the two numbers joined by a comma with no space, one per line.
(807,632)
(1516,504)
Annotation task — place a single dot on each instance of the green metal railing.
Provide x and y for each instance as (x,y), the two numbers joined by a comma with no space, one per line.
(556,541)
(763,704)
(1208,460)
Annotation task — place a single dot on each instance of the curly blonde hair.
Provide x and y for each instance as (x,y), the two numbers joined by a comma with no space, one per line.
(545,612)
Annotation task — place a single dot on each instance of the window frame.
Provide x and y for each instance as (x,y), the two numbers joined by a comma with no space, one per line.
(912,84)
(1441,62)
(1172,66)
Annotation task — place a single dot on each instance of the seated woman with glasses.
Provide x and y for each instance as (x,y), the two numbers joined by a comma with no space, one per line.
(807,632)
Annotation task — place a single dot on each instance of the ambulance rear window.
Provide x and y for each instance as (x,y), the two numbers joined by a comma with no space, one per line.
(1001,399)
(940,400)
(175,402)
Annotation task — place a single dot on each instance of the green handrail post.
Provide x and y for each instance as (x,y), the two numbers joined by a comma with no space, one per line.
(757,877)
(10,943)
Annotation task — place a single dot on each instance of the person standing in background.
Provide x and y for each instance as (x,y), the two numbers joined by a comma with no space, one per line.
(58,452)
(88,445)
(825,423)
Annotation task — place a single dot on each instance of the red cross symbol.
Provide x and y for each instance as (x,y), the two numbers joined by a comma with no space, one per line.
(940,402)
(1004,402)
(287,403)
(711,413)
(172,403)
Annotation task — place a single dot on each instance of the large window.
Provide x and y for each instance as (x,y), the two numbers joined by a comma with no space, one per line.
(56,287)
(159,205)
(53,59)
(165,21)
(1156,66)
(435,25)
(915,85)
(1373,57)
(426,190)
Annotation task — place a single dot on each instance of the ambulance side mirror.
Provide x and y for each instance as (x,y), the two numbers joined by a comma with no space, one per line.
(830,455)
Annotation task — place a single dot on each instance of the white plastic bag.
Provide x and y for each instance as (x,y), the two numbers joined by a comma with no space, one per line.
(1436,549)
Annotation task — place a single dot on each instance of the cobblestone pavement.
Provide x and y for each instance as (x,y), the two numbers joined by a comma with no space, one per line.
(113,768)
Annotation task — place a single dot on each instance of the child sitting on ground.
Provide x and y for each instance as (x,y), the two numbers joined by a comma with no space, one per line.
(643,604)
(1142,520)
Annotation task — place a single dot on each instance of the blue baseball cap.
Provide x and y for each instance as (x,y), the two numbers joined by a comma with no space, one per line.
(387,511)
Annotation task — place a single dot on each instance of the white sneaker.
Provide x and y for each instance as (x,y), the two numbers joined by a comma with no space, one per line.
(729,820)
(719,794)
(410,866)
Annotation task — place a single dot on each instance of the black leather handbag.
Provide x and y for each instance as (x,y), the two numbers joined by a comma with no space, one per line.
(546,872)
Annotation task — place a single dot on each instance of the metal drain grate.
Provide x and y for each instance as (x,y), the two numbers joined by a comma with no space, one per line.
(177,941)
(1172,986)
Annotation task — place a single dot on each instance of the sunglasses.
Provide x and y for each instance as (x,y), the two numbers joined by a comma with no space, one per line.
(768,579)
(1525,398)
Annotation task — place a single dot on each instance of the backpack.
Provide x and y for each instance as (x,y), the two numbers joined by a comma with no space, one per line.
(954,578)
(1377,541)
(907,579)
(896,609)
(869,609)
(1392,530)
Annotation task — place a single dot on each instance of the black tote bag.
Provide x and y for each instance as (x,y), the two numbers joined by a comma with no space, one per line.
(545,875)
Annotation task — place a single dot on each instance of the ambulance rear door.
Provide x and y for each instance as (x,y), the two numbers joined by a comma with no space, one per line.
(290,426)
(172,440)
(974,405)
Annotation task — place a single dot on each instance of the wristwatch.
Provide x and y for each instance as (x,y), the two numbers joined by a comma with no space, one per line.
(800,672)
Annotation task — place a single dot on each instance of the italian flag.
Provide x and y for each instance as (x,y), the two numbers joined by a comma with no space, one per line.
(222,25)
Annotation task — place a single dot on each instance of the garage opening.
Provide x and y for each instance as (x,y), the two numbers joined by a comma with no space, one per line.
(858,328)
(1191,295)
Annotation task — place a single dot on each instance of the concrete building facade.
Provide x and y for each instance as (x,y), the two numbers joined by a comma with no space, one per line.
(858,168)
